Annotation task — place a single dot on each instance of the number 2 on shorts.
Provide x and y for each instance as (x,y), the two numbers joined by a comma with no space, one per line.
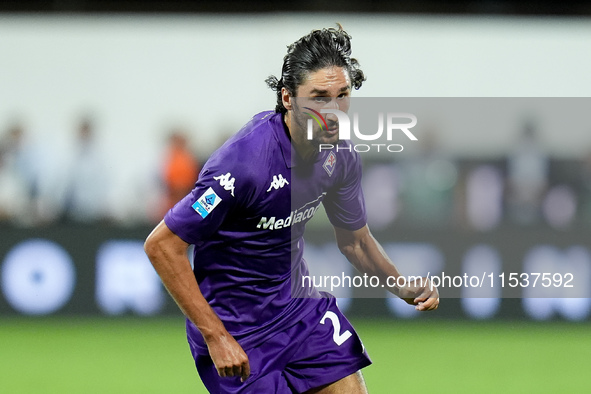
(337,336)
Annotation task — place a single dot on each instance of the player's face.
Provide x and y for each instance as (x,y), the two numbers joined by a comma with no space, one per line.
(327,88)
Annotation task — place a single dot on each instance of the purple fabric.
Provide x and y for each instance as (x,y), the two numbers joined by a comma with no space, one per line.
(246,217)
(297,359)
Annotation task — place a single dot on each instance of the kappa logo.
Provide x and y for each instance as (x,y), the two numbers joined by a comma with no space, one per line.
(329,163)
(227,182)
(278,182)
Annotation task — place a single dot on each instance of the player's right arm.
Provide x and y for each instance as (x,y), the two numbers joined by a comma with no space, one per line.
(168,254)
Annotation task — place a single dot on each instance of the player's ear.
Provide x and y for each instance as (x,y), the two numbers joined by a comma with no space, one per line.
(286,99)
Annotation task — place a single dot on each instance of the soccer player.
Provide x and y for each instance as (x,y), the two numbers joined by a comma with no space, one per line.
(251,325)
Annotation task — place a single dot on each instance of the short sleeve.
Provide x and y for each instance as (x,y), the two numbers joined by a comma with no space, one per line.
(215,196)
(344,203)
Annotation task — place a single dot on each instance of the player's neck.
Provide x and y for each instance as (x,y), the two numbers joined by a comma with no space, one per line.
(302,146)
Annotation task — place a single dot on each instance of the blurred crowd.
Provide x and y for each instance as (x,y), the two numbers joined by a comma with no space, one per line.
(525,188)
(42,185)
(429,189)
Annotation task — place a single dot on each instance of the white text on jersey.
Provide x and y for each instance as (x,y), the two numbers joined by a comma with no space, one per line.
(299,215)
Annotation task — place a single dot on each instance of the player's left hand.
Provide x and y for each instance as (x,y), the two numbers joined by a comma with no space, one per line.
(422,294)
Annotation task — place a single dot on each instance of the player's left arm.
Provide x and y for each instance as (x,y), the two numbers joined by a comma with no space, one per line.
(368,256)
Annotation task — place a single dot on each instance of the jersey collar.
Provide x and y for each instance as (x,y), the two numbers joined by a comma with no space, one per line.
(282,135)
(290,155)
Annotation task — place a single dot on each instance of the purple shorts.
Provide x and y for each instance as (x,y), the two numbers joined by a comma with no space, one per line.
(319,349)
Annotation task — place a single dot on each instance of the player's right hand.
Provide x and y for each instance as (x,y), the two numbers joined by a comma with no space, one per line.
(228,357)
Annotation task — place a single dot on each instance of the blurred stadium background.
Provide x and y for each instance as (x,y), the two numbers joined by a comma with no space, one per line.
(108,108)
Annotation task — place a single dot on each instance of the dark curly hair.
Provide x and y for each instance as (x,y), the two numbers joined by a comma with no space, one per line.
(317,50)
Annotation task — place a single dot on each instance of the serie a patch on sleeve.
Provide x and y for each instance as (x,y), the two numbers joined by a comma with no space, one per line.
(206,203)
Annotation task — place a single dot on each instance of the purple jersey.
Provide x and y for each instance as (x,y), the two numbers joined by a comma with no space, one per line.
(246,217)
